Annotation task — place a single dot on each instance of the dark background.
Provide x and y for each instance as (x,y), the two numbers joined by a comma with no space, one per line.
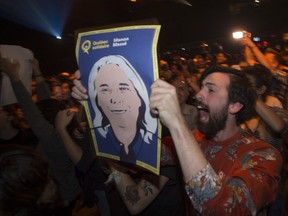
(206,21)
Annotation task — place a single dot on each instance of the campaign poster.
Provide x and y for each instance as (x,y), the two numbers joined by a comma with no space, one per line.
(118,66)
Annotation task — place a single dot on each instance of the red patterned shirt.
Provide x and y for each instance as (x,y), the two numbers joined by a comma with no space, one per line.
(240,179)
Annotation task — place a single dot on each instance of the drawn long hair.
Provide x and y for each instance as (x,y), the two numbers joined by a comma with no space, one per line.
(146,123)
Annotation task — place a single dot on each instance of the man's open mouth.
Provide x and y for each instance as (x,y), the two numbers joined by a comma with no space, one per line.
(200,106)
(118,111)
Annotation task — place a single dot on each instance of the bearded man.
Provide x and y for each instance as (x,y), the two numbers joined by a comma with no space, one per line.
(227,171)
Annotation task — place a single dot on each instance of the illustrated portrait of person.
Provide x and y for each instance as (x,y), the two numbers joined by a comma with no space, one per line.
(123,124)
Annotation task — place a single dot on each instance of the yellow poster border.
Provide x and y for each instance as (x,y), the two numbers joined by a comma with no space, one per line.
(155,74)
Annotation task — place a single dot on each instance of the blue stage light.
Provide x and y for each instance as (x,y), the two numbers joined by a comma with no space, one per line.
(47,16)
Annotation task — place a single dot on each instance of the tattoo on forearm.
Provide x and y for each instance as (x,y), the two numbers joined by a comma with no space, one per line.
(132,194)
(147,188)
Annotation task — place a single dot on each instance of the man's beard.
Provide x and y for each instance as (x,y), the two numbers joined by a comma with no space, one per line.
(215,123)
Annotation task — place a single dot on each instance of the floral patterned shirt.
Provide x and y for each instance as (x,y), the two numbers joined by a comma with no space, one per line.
(240,179)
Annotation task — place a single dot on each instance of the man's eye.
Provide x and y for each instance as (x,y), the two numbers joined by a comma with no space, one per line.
(211,91)
(105,90)
(124,89)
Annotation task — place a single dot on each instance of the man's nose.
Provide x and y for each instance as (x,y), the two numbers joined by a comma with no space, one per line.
(199,96)
(115,100)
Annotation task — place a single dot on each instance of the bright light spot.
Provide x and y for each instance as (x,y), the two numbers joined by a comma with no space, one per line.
(256,2)
(58,37)
(65,74)
(256,39)
(237,35)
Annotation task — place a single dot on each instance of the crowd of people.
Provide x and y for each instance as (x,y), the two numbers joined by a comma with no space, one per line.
(223,145)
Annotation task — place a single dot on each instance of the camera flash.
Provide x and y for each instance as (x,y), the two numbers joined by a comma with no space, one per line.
(238,35)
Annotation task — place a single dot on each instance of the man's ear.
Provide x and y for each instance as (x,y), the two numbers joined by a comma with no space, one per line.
(235,107)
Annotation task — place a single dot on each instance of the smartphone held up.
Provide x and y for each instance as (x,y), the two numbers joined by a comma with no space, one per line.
(241,34)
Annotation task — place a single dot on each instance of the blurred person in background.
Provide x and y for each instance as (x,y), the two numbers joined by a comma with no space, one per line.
(26,185)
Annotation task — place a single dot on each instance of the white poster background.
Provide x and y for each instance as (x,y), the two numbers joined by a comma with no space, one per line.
(24,56)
